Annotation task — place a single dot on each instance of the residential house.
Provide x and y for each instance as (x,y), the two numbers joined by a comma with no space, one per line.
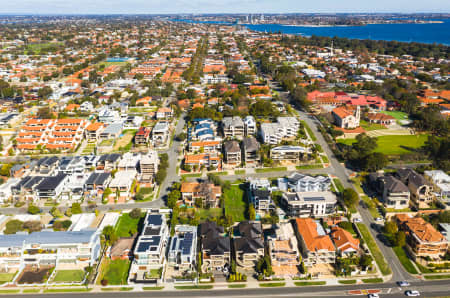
(309,204)
(287,153)
(316,245)
(205,146)
(97,182)
(344,241)
(150,249)
(249,245)
(232,153)
(298,182)
(215,248)
(160,134)
(283,250)
(260,194)
(202,159)
(250,150)
(122,249)
(233,127)
(112,131)
(149,166)
(93,131)
(164,113)
(250,126)
(52,187)
(108,162)
(441,182)
(421,190)
(121,184)
(142,137)
(182,253)
(394,192)
(208,193)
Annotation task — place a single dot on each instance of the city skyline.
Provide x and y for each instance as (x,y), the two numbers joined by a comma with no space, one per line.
(223,6)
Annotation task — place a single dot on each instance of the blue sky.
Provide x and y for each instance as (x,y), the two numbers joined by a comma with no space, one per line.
(218,6)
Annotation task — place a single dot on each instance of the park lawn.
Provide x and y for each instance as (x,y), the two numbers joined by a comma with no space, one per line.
(395,145)
(69,276)
(374,249)
(37,47)
(127,226)
(235,203)
(116,272)
(406,262)
(371,126)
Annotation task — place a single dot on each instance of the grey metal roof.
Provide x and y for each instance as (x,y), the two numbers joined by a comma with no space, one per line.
(47,237)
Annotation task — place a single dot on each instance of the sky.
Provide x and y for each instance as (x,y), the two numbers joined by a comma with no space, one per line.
(218,6)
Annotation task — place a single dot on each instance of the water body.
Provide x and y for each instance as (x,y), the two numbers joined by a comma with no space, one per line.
(424,33)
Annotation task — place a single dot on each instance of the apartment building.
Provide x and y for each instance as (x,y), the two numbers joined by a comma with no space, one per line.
(233,127)
(150,249)
(160,134)
(422,239)
(51,134)
(182,253)
(316,245)
(93,131)
(309,204)
(80,248)
(203,159)
(298,182)
(205,146)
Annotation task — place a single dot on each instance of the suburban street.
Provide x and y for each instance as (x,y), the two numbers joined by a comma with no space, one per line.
(428,289)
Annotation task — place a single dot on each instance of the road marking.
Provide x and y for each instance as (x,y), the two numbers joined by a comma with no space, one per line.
(389,290)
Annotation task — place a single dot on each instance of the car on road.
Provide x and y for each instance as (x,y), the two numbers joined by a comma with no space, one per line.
(373,296)
(412,293)
(403,283)
(357,219)
(379,219)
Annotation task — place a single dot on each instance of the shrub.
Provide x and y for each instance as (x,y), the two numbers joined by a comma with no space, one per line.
(32,209)
(135,213)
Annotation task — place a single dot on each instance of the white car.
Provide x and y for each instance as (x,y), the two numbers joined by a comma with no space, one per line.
(403,284)
(357,219)
(373,296)
(412,293)
(379,219)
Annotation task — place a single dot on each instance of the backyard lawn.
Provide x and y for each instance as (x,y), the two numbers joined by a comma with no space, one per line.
(116,272)
(69,276)
(127,226)
(395,145)
(210,213)
(235,203)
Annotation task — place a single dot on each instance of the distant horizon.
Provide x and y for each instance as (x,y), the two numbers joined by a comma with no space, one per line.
(220,13)
(160,7)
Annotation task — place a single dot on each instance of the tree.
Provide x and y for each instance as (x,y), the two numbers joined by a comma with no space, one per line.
(32,226)
(44,113)
(55,212)
(45,92)
(375,161)
(32,209)
(365,260)
(400,239)
(350,197)
(76,208)
(135,213)
(251,212)
(13,226)
(390,227)
(109,234)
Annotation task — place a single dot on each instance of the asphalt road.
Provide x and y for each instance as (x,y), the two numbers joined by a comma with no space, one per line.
(427,289)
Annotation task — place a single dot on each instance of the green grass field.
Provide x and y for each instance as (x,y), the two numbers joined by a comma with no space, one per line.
(373,247)
(266,170)
(397,115)
(371,126)
(36,48)
(6,277)
(309,283)
(116,272)
(395,145)
(204,214)
(272,284)
(126,226)
(406,262)
(235,203)
(69,276)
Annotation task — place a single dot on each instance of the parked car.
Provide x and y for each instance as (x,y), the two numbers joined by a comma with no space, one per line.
(357,219)
(403,283)
(412,293)
(379,219)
